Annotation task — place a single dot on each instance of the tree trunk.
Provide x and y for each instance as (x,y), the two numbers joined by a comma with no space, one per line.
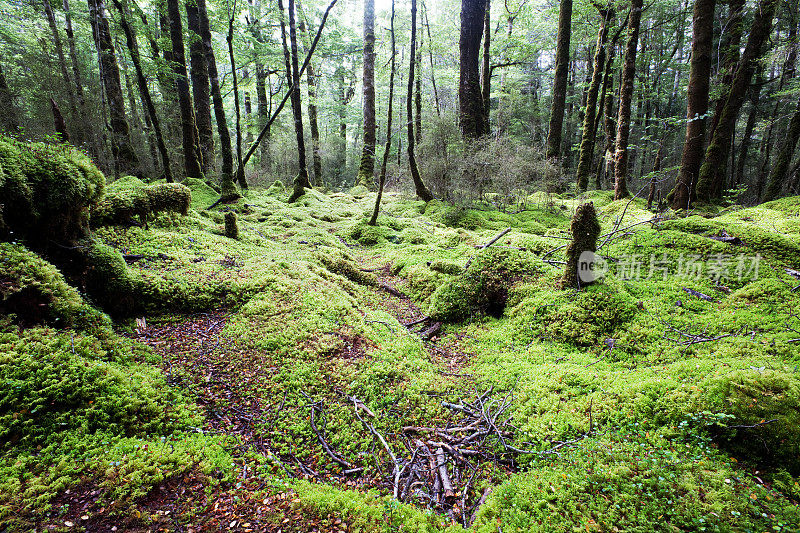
(560,80)
(733,30)
(430,56)
(62,63)
(8,114)
(486,68)
(697,103)
(419,186)
(367,167)
(191,149)
(240,177)
(625,97)
(313,121)
(418,98)
(744,149)
(609,123)
(714,168)
(76,73)
(59,124)
(382,180)
(144,90)
(200,86)
(469,84)
(780,169)
(125,159)
(301,181)
(590,114)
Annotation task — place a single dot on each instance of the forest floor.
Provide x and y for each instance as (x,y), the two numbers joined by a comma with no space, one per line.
(318,374)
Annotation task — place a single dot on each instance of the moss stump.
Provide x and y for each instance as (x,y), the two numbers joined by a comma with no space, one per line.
(585,228)
(231,225)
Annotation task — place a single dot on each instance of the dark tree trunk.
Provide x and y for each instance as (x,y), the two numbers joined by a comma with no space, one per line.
(419,186)
(200,86)
(625,97)
(191,149)
(590,114)
(59,124)
(734,28)
(301,181)
(606,166)
(779,175)
(714,168)
(382,180)
(240,177)
(367,167)
(697,103)
(313,121)
(227,185)
(418,98)
(8,114)
(560,80)
(747,140)
(469,83)
(430,56)
(62,64)
(125,159)
(486,68)
(144,90)
(76,73)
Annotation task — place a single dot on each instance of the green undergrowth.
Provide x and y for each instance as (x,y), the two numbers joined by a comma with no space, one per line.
(684,395)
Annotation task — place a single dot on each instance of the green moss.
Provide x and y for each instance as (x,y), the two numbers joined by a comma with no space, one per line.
(46,191)
(484,286)
(446,267)
(368,235)
(129,200)
(108,279)
(231,225)
(34,292)
(341,264)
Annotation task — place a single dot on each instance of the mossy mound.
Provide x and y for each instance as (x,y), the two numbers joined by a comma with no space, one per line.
(129,200)
(46,191)
(367,235)
(339,263)
(484,286)
(33,291)
(108,279)
(56,383)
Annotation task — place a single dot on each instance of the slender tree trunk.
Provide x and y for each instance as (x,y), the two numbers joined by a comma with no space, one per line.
(240,177)
(419,186)
(779,174)
(714,168)
(697,103)
(59,124)
(201,90)
(382,180)
(486,68)
(469,83)
(560,80)
(730,50)
(313,121)
(625,96)
(366,169)
(192,157)
(430,56)
(125,159)
(747,141)
(590,114)
(62,64)
(609,123)
(76,73)
(418,98)
(8,114)
(301,181)
(227,185)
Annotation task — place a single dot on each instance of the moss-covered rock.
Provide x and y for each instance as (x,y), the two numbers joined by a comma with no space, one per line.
(127,201)
(340,264)
(45,191)
(231,225)
(485,285)
(33,291)
(108,280)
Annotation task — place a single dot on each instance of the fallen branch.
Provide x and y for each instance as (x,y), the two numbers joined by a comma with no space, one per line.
(494,239)
(346,465)
(391,290)
(420,321)
(698,294)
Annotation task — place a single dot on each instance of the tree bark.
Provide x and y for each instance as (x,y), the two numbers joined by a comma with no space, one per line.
(418,97)
(227,185)
(734,28)
(560,80)
(714,168)
(609,123)
(382,180)
(200,86)
(239,177)
(486,69)
(8,114)
(301,181)
(191,149)
(430,56)
(625,97)
(144,90)
(747,141)
(469,84)
(590,113)
(125,158)
(62,64)
(780,169)
(419,186)
(367,167)
(313,121)
(697,103)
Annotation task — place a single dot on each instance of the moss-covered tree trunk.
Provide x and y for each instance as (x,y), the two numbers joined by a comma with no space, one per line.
(191,148)
(62,65)
(585,229)
(301,181)
(486,67)
(589,131)
(606,166)
(714,169)
(382,179)
(144,90)
(418,98)
(125,158)
(625,99)
(227,185)
(469,84)
(747,138)
(419,186)
(560,79)
(697,103)
(201,89)
(367,167)
(730,51)
(313,122)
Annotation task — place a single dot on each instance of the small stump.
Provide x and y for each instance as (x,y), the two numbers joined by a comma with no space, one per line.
(580,253)
(231,225)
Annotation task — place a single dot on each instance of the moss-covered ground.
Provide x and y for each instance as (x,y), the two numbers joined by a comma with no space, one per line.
(677,395)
